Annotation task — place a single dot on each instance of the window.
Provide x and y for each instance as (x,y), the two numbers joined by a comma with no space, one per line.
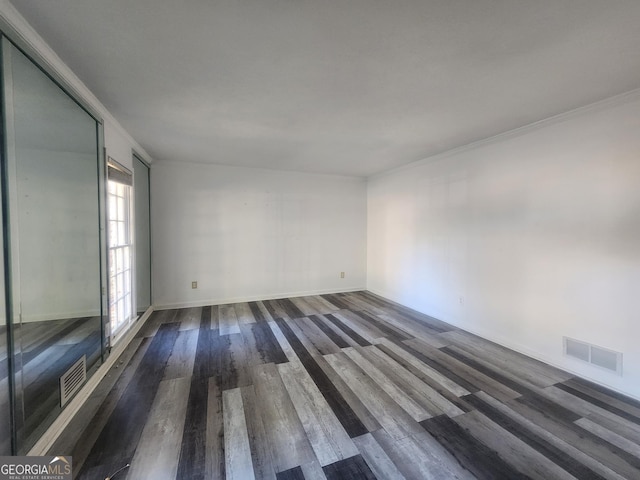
(120,248)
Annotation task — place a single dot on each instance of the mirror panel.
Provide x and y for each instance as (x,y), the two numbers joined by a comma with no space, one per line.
(142,235)
(55,242)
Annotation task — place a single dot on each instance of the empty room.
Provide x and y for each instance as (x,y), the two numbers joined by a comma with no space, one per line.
(319,240)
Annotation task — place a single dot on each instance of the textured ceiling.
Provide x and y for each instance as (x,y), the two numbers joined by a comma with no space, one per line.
(349,87)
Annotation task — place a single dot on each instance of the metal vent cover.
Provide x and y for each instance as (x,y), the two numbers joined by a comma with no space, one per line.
(593,354)
(72,380)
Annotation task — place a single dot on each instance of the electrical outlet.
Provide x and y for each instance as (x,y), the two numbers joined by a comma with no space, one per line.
(341,274)
(194,284)
(461,300)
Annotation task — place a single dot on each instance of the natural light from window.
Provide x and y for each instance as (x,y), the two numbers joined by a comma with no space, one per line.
(120,251)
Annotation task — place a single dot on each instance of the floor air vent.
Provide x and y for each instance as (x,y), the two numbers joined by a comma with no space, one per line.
(598,356)
(72,380)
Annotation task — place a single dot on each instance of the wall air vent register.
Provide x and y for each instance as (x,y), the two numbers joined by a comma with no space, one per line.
(593,354)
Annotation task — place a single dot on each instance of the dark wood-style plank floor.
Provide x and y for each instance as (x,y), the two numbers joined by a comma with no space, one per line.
(344,386)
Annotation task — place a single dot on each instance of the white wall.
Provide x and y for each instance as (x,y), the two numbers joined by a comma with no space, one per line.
(118,145)
(246,234)
(524,238)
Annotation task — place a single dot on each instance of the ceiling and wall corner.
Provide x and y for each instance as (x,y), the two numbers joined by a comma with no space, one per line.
(23,32)
(352,88)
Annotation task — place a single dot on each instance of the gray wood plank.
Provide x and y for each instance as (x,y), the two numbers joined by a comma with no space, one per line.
(243,313)
(618,440)
(415,329)
(302,336)
(180,363)
(228,320)
(425,369)
(533,371)
(388,330)
(365,416)
(628,408)
(276,310)
(237,452)
(362,305)
(366,329)
(235,362)
(282,341)
(404,400)
(214,314)
(328,438)
(321,343)
(517,453)
(290,446)
(419,391)
(483,382)
(343,301)
(350,341)
(304,306)
(567,447)
(380,463)
(214,452)
(150,328)
(388,413)
(189,318)
(265,312)
(574,435)
(313,471)
(253,355)
(472,454)
(517,381)
(416,462)
(158,450)
(323,307)
(258,439)
(576,404)
(621,426)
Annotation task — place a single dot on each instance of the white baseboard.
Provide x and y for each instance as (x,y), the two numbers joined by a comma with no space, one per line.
(49,437)
(224,301)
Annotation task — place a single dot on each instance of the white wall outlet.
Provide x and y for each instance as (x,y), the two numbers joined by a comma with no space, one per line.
(341,274)
(194,284)
(461,300)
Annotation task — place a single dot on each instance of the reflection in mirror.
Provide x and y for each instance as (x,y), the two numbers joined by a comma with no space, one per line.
(54,223)
(142,235)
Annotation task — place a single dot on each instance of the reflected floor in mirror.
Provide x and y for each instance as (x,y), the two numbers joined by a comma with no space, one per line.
(49,349)
(343,386)
(5,428)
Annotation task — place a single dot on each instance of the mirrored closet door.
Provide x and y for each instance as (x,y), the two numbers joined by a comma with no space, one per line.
(53,172)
